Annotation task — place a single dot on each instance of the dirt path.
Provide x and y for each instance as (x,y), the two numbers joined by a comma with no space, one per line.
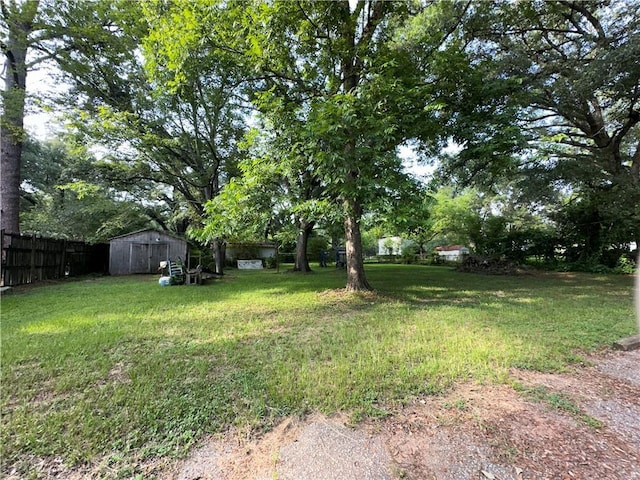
(584,424)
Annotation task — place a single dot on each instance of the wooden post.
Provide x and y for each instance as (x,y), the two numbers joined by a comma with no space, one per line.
(32,271)
(63,266)
(2,258)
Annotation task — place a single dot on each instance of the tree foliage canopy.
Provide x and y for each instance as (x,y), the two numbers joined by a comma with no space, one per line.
(541,99)
(578,97)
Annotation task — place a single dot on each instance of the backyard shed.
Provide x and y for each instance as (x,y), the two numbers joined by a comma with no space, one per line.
(142,251)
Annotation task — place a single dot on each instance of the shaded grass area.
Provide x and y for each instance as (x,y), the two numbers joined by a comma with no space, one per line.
(122,367)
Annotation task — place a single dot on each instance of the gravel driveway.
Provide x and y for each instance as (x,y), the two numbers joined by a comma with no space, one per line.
(584,424)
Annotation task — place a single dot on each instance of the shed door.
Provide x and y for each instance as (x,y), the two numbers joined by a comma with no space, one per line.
(146,257)
(139,258)
(159,252)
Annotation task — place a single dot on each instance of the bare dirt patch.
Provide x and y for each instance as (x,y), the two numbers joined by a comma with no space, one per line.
(583,424)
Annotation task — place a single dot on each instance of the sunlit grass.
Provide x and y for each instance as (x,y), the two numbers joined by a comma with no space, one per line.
(124,367)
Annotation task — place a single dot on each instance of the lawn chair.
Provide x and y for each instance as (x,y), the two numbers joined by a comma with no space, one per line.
(176,271)
(172,272)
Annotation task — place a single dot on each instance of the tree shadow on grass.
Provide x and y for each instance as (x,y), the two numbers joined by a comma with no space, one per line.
(194,360)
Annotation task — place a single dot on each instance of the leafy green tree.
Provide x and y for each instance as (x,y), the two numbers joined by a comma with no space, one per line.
(455,217)
(580,95)
(63,196)
(162,141)
(18,22)
(177,143)
(404,211)
(346,73)
(299,193)
(276,200)
(33,33)
(497,225)
(239,212)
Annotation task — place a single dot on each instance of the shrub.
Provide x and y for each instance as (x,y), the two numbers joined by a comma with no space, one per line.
(270,262)
(488,265)
(409,255)
(625,266)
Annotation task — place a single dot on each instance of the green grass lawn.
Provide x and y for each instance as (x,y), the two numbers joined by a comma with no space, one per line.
(126,369)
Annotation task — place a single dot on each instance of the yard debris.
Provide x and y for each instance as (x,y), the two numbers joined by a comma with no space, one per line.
(488,475)
(628,343)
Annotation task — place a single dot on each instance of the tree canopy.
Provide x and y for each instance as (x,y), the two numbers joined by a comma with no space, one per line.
(578,110)
(341,70)
(270,119)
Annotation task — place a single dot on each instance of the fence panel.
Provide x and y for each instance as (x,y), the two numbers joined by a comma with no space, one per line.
(29,259)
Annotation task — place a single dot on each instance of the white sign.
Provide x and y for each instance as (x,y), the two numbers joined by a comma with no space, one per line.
(249,264)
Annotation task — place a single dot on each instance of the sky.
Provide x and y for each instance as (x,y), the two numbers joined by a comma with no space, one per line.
(38,123)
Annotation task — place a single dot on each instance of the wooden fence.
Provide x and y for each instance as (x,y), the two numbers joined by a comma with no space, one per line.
(29,259)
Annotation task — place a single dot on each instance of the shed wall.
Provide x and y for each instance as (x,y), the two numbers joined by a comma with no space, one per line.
(142,252)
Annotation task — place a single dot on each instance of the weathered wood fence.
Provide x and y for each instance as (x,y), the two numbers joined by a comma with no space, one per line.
(29,259)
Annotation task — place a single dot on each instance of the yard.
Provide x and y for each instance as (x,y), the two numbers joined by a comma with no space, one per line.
(118,370)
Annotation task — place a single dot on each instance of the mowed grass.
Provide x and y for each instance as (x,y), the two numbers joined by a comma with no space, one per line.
(123,369)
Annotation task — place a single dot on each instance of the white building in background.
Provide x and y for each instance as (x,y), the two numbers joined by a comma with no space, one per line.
(393,245)
(452,253)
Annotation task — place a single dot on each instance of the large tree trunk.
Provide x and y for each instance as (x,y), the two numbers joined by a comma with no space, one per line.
(11,153)
(219,250)
(638,288)
(352,67)
(20,22)
(302,262)
(356,279)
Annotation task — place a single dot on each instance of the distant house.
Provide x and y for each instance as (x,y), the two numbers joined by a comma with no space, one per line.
(452,253)
(143,250)
(393,245)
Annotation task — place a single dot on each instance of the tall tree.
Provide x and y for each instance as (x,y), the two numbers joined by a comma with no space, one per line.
(18,23)
(157,134)
(278,179)
(177,139)
(303,196)
(64,195)
(580,91)
(341,70)
(35,32)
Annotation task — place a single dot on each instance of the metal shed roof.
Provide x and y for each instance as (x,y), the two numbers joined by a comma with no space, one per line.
(159,232)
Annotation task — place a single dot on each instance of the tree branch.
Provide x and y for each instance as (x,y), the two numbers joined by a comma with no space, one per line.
(580,8)
(310,20)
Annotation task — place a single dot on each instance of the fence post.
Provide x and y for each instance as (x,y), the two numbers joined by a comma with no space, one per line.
(63,264)
(32,273)
(3,258)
